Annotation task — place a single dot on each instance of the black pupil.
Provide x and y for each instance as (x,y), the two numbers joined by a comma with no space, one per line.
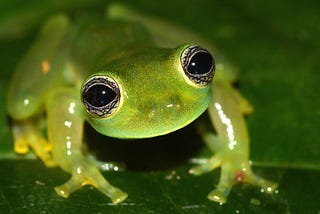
(200,63)
(99,95)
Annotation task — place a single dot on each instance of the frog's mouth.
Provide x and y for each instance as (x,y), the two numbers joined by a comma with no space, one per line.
(149,123)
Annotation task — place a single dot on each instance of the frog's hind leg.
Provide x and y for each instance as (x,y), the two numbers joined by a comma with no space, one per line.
(65,130)
(37,73)
(27,133)
(244,105)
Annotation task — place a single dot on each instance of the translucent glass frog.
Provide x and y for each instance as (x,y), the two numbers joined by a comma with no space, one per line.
(130,76)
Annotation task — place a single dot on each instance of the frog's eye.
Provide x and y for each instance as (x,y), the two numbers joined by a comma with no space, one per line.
(101,95)
(198,65)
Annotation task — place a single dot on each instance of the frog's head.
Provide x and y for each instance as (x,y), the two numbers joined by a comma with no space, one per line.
(149,93)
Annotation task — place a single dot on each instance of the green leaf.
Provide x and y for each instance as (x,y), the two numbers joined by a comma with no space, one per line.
(275,44)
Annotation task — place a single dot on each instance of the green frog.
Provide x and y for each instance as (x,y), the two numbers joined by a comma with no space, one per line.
(130,76)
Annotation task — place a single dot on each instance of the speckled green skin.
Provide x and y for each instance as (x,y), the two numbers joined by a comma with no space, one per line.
(155,97)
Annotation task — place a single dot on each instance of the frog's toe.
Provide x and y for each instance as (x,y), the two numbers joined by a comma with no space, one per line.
(118,196)
(246,107)
(95,179)
(206,166)
(43,150)
(115,194)
(64,190)
(197,170)
(223,189)
(21,146)
(218,196)
(266,185)
(269,187)
(49,162)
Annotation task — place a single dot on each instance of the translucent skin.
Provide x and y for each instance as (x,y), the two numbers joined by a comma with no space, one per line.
(155,97)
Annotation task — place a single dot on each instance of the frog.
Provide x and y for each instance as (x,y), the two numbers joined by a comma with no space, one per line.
(130,76)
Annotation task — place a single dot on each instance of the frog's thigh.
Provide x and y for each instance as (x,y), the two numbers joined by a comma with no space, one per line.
(244,105)
(40,70)
(27,133)
(229,95)
(65,130)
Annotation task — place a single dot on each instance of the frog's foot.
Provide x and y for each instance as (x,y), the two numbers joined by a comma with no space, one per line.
(231,173)
(90,176)
(230,176)
(26,137)
(244,105)
(266,186)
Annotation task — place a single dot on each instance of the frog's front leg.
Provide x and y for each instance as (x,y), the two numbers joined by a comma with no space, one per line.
(65,130)
(231,144)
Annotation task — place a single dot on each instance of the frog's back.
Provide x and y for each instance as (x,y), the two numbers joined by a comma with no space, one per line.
(98,41)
